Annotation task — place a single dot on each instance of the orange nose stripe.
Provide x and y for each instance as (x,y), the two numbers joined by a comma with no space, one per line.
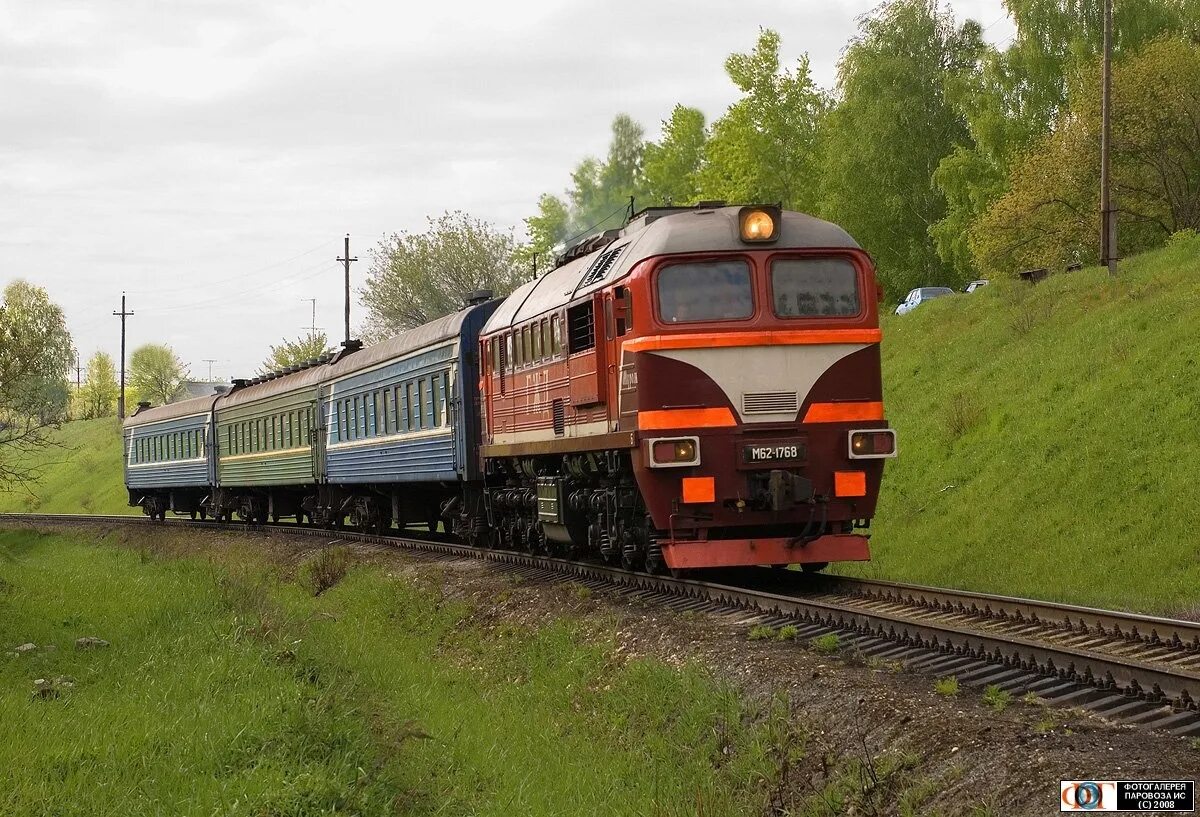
(843,412)
(685,418)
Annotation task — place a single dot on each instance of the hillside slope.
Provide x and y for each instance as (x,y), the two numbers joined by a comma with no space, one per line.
(80,473)
(1047,438)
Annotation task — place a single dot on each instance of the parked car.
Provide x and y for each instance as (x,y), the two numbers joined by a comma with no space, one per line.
(974,285)
(919,296)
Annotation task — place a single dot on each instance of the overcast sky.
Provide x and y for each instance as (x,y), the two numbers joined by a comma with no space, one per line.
(208,157)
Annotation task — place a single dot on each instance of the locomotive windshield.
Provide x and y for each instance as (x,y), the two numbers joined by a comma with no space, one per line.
(814,287)
(705,291)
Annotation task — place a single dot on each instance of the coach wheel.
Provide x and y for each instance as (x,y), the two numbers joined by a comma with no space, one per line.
(433,519)
(203,514)
(193,516)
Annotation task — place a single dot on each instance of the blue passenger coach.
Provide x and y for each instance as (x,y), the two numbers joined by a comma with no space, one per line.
(168,464)
(401,419)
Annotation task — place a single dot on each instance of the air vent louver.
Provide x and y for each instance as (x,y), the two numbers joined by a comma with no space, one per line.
(600,267)
(770,402)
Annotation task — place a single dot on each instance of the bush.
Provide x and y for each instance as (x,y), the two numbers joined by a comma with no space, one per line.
(327,569)
(1182,237)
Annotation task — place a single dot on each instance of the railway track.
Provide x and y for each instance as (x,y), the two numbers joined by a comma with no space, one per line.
(1130,668)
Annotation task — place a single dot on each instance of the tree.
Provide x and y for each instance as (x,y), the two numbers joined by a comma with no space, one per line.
(765,146)
(291,352)
(672,166)
(98,397)
(549,228)
(417,277)
(1011,99)
(889,131)
(1050,215)
(35,356)
(156,374)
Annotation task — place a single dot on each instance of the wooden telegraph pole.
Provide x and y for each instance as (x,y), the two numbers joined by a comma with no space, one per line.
(123,314)
(1108,216)
(346,260)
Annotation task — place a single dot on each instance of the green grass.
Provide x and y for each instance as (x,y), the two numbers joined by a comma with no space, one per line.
(80,473)
(1047,438)
(227,690)
(947,686)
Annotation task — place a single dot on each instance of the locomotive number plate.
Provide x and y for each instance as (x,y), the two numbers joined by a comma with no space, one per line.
(774,451)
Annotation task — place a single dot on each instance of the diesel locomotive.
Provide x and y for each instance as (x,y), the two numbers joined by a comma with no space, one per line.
(700,388)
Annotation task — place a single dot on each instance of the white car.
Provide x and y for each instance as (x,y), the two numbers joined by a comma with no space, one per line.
(919,296)
(974,285)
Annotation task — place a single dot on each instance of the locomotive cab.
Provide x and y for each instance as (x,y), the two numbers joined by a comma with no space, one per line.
(755,373)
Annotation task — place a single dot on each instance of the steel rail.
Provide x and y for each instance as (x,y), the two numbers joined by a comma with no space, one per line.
(1128,666)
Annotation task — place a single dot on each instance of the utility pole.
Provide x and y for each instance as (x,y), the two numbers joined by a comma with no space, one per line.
(78,372)
(345,260)
(313,329)
(123,314)
(1108,216)
(210,361)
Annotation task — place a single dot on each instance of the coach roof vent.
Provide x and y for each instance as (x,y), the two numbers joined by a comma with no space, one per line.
(479,296)
(142,406)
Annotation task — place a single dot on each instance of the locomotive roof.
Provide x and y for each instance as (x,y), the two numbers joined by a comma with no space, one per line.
(699,229)
(184,408)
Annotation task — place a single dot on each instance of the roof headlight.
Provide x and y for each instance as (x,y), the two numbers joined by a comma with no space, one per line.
(759,223)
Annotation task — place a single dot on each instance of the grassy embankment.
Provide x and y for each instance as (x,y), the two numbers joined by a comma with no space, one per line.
(1046,441)
(79,473)
(230,689)
(1047,438)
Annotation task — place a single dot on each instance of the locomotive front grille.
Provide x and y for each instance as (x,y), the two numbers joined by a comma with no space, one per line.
(770,402)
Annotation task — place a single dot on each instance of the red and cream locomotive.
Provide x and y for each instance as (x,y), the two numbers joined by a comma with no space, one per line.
(700,388)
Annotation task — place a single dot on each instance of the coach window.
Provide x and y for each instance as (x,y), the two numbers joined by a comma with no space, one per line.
(814,287)
(436,399)
(445,398)
(705,291)
(412,405)
(363,420)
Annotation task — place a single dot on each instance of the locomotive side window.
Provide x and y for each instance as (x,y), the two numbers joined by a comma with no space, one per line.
(705,291)
(814,287)
(537,343)
(555,335)
(581,328)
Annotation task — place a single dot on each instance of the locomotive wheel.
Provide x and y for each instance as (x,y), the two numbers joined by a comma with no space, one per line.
(655,563)
(630,559)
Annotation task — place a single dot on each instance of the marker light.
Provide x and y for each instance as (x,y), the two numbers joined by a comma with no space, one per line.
(759,223)
(674,452)
(872,444)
